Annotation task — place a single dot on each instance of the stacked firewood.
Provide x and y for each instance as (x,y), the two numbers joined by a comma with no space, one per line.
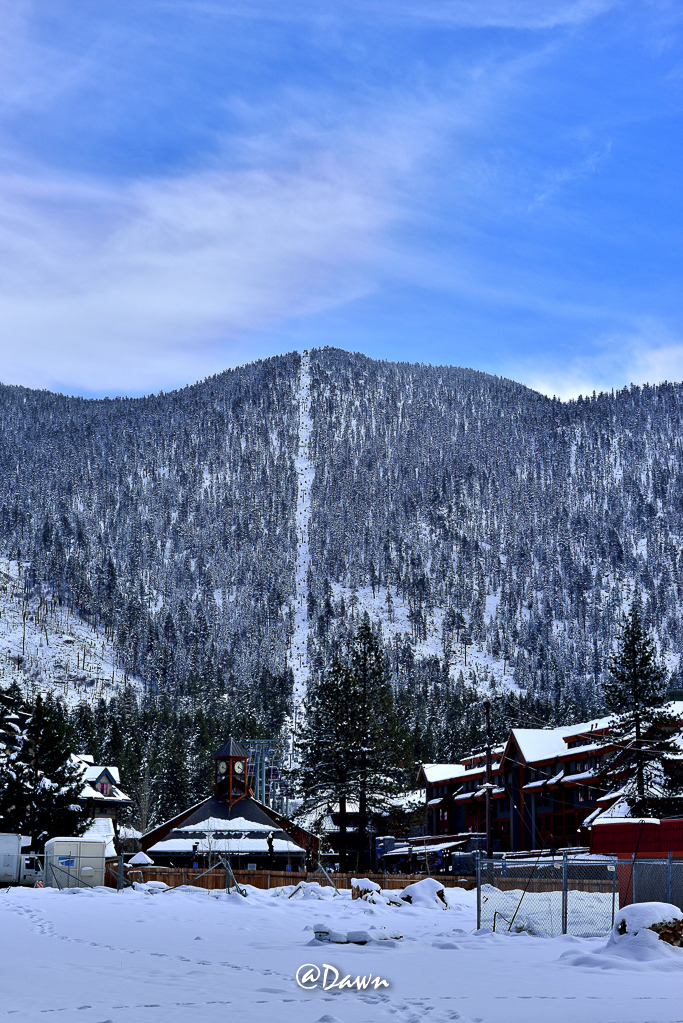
(670,931)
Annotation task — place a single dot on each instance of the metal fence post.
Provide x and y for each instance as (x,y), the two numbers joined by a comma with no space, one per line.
(669,871)
(478,867)
(119,875)
(565,879)
(633,878)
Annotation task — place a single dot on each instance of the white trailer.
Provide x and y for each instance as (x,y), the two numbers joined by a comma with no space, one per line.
(75,862)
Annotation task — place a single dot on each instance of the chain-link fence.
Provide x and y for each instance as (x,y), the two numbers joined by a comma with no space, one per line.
(564,895)
(652,880)
(548,896)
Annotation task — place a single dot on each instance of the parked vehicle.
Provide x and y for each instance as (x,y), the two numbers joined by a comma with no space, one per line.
(17,867)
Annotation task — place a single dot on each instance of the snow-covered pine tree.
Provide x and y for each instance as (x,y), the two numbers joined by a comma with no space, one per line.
(352,745)
(52,783)
(642,726)
(381,743)
(12,766)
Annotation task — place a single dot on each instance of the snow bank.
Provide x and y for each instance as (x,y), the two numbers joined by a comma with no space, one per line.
(634,942)
(425,893)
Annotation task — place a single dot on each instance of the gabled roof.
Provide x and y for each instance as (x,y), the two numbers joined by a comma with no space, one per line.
(92,773)
(437,773)
(217,809)
(542,744)
(231,748)
(216,826)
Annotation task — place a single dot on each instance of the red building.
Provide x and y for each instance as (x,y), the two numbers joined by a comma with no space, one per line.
(647,838)
(544,787)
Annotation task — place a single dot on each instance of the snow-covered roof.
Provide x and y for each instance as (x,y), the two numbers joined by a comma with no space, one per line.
(140,859)
(441,847)
(545,743)
(235,824)
(92,774)
(233,846)
(604,819)
(437,773)
(114,795)
(582,778)
(102,828)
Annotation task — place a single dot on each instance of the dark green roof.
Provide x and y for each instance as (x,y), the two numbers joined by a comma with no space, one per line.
(231,748)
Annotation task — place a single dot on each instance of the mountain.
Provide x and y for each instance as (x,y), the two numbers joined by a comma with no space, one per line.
(224,538)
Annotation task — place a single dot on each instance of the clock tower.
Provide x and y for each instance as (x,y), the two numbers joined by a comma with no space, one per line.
(230,775)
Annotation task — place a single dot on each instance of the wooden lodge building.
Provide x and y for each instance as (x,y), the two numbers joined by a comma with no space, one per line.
(545,787)
(232,824)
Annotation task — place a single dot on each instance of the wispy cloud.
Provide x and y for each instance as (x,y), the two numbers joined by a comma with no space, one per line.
(174,275)
(518,14)
(650,353)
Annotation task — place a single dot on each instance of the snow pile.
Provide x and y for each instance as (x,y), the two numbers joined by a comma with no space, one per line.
(364,884)
(305,890)
(640,915)
(427,892)
(327,935)
(634,942)
(369,891)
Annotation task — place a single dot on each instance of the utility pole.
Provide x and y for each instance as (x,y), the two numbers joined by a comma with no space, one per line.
(489,782)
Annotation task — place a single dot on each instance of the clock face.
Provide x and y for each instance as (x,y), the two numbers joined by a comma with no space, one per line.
(239,767)
(222,767)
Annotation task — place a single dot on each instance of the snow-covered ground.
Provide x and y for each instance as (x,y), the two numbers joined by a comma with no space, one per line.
(297,657)
(45,647)
(185,955)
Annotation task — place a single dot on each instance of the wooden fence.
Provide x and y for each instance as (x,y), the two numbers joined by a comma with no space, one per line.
(173,877)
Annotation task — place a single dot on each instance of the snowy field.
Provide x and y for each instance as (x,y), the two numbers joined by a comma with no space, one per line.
(187,955)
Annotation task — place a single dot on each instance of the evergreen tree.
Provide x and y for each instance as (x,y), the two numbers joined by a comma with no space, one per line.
(13,782)
(352,745)
(641,725)
(48,790)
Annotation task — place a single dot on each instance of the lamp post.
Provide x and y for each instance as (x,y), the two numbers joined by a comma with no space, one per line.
(489,782)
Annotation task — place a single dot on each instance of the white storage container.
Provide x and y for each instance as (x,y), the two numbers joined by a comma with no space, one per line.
(74,862)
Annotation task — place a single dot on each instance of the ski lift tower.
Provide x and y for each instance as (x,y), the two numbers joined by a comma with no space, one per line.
(263,754)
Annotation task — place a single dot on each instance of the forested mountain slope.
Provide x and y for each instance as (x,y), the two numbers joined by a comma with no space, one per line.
(166,520)
(447,504)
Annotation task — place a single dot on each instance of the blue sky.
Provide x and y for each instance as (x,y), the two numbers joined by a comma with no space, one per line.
(187,185)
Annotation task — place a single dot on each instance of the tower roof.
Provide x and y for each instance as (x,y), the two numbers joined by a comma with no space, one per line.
(231,748)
